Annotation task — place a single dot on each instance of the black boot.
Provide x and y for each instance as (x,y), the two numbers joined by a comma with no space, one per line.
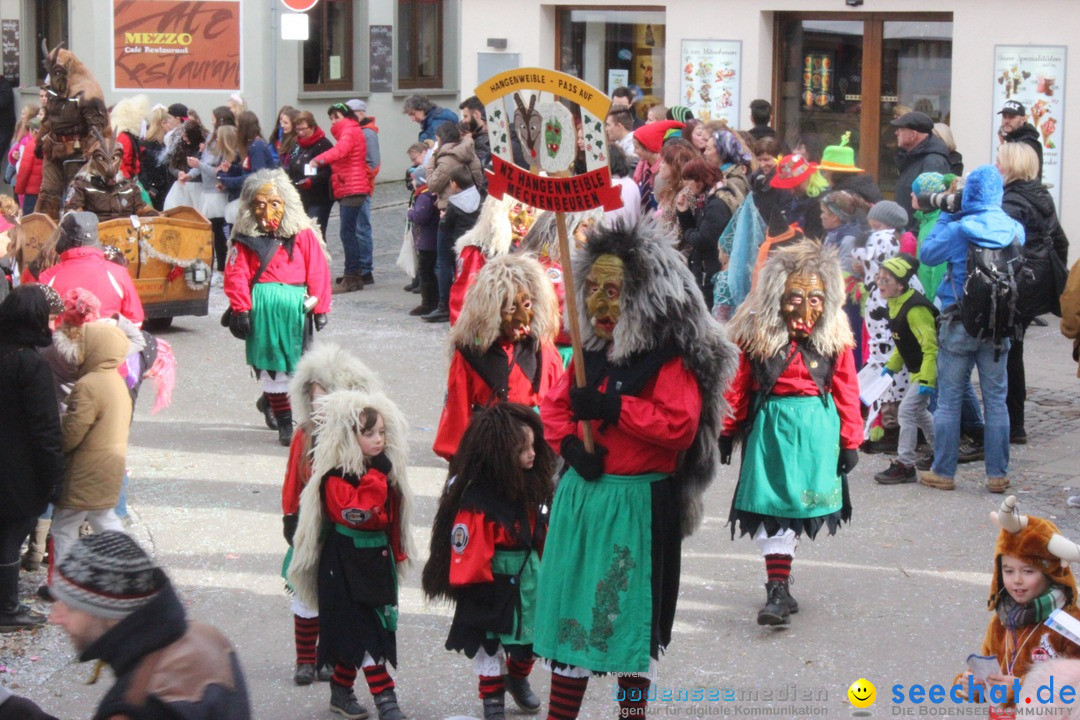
(343,702)
(522,693)
(263,406)
(386,704)
(495,708)
(775,611)
(439,314)
(284,427)
(13,616)
(304,674)
(792,604)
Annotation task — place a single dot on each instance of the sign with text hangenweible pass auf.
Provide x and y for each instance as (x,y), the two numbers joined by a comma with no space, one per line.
(299,5)
(548,138)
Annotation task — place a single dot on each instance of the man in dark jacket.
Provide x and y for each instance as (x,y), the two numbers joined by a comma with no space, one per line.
(474,113)
(117,607)
(30,426)
(920,152)
(1015,128)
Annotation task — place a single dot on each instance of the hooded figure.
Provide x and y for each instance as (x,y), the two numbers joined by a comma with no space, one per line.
(656,366)
(101,186)
(795,405)
(502,345)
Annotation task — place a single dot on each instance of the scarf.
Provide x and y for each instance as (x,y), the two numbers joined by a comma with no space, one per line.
(317,134)
(1013,615)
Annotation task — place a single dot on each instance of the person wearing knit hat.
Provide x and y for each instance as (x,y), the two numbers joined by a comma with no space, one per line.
(887,214)
(840,220)
(680,113)
(913,322)
(648,140)
(120,609)
(1031,579)
(930,182)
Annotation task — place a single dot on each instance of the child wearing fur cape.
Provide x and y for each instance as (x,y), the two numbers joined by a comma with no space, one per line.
(1031,579)
(325,368)
(485,549)
(352,543)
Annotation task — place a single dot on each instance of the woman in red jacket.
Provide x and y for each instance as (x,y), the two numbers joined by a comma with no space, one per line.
(351,183)
(28,176)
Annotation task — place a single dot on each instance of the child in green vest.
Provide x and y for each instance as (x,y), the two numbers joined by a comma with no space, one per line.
(912,320)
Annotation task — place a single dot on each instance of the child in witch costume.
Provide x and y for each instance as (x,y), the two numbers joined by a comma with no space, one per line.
(277,266)
(1031,579)
(795,402)
(501,344)
(485,548)
(325,368)
(352,543)
(657,365)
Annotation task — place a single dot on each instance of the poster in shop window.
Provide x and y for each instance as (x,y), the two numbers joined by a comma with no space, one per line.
(1035,76)
(710,73)
(176,45)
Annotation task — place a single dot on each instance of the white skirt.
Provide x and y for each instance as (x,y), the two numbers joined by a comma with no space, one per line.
(189,194)
(213,204)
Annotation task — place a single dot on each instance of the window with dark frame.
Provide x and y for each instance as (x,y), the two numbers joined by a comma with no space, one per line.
(420,45)
(328,51)
(50,25)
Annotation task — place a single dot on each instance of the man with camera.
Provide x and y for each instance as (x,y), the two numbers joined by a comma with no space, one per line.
(920,152)
(1016,128)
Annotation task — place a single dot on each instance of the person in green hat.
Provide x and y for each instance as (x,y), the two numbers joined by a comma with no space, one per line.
(838,167)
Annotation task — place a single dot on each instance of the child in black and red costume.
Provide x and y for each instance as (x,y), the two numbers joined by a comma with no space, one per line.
(485,548)
(352,542)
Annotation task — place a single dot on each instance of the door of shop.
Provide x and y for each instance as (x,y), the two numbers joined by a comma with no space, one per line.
(853,72)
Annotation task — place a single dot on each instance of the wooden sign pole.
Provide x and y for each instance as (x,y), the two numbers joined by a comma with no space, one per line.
(575,325)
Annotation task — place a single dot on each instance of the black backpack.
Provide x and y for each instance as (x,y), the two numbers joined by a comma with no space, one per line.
(990,306)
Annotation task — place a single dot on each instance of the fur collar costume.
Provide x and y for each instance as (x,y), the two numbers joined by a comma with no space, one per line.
(128,114)
(292,222)
(1037,542)
(336,418)
(662,308)
(332,367)
(492,233)
(478,327)
(758,325)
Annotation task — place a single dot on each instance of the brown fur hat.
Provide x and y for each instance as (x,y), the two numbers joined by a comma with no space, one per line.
(1029,544)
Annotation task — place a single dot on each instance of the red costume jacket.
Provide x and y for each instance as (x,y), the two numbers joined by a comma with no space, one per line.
(307,267)
(531,376)
(297,471)
(654,426)
(796,380)
(87,268)
(469,263)
(474,541)
(365,503)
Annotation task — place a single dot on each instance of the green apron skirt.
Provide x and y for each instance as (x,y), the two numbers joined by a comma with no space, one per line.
(595,604)
(790,460)
(277,327)
(509,562)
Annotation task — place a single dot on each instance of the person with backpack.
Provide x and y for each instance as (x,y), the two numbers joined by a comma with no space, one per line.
(979,318)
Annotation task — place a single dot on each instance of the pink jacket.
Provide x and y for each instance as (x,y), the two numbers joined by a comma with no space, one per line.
(86,267)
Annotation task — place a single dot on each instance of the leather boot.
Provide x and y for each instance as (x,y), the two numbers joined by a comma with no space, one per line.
(284,427)
(495,708)
(775,610)
(263,406)
(440,314)
(13,616)
(343,702)
(522,693)
(35,548)
(386,704)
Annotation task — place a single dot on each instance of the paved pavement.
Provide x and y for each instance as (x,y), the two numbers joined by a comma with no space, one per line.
(898,596)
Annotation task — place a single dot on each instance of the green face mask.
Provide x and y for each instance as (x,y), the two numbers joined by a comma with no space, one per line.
(553,137)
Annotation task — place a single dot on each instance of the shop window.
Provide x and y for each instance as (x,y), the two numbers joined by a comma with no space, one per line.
(611,48)
(328,51)
(50,25)
(420,43)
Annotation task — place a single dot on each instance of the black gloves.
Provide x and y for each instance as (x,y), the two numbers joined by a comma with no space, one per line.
(727,445)
(240,325)
(289,526)
(319,320)
(381,463)
(591,404)
(848,460)
(589,465)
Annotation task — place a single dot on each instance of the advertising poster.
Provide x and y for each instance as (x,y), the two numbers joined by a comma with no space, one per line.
(176,45)
(710,76)
(1035,76)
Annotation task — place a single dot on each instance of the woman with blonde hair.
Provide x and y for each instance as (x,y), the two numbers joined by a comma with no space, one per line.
(22,135)
(956,160)
(153,172)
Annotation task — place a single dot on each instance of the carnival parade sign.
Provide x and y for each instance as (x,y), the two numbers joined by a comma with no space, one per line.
(548,135)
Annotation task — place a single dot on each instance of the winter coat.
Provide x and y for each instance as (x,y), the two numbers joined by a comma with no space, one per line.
(436,116)
(1029,203)
(956,163)
(703,236)
(95,426)
(980,220)
(314,189)
(86,267)
(190,671)
(33,463)
(424,216)
(482,148)
(259,157)
(130,164)
(347,160)
(28,177)
(462,212)
(1028,135)
(373,157)
(859,184)
(154,175)
(931,155)
(445,160)
(845,238)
